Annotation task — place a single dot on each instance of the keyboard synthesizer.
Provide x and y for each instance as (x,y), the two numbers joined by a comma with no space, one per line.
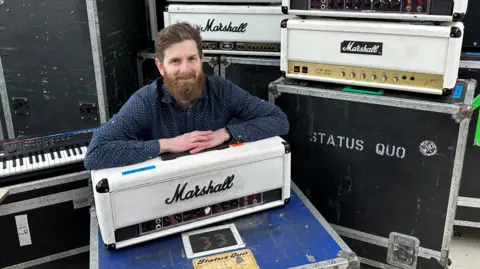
(49,155)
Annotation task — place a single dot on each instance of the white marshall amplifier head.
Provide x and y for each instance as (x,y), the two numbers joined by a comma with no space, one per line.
(415,57)
(407,10)
(232,29)
(169,195)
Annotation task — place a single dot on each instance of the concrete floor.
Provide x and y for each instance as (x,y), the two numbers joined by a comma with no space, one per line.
(465,248)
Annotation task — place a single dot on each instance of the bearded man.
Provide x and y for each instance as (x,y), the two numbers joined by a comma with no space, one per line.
(183,110)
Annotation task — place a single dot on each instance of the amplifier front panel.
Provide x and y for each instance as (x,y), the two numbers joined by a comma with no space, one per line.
(419,58)
(413,10)
(164,198)
(254,29)
(381,51)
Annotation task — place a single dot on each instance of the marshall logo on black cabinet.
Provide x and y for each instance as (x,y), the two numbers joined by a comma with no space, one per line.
(220,27)
(360,47)
(181,195)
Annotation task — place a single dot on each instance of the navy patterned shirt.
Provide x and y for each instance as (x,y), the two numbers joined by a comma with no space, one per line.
(132,135)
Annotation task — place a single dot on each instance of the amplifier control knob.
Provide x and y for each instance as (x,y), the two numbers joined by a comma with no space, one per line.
(395,79)
(384,78)
(342,74)
(352,75)
(362,76)
(373,77)
(207,210)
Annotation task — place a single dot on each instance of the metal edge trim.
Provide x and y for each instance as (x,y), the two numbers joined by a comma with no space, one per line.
(97,56)
(152,11)
(53,181)
(377,100)
(145,54)
(454,187)
(93,260)
(336,263)
(376,264)
(468,202)
(470,94)
(6,104)
(470,64)
(2,137)
(222,68)
(44,201)
(466,223)
(380,241)
(253,61)
(330,230)
(49,258)
(246,53)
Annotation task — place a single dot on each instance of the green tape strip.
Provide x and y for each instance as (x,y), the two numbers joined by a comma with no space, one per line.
(475,105)
(350,89)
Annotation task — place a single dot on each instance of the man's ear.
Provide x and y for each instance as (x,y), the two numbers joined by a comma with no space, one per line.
(160,67)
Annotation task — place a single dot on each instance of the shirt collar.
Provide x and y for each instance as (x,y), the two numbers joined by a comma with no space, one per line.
(167,98)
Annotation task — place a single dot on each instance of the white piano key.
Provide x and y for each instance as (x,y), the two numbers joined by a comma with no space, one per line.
(51,162)
(26,163)
(63,159)
(70,159)
(9,168)
(2,171)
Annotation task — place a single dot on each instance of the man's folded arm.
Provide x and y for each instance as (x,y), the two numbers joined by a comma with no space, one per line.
(261,118)
(116,143)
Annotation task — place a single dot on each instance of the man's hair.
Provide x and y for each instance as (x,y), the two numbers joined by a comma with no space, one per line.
(177,33)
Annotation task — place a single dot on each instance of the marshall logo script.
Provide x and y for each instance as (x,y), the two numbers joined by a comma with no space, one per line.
(197,191)
(358,47)
(210,27)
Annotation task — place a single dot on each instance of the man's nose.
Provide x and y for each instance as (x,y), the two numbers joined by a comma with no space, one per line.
(185,66)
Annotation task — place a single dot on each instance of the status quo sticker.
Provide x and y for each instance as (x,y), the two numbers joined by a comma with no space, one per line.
(243,259)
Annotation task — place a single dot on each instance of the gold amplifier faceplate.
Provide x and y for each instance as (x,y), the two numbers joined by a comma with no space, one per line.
(410,79)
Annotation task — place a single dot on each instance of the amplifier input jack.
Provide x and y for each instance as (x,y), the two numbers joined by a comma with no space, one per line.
(158,226)
(157,221)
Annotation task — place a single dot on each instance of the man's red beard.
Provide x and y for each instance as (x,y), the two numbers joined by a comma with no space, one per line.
(183,90)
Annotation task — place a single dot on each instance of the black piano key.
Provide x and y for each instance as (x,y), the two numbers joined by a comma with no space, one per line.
(36,157)
(67,150)
(42,155)
(79,149)
(14,161)
(73,150)
(30,158)
(21,160)
(52,155)
(58,153)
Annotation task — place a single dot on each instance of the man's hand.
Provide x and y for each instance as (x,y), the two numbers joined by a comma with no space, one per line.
(188,141)
(218,137)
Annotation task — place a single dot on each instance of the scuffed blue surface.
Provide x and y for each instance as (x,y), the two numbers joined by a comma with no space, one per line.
(279,238)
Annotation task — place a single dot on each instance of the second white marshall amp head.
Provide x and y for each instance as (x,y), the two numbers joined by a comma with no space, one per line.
(233,29)
(410,57)
(179,192)
(410,10)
